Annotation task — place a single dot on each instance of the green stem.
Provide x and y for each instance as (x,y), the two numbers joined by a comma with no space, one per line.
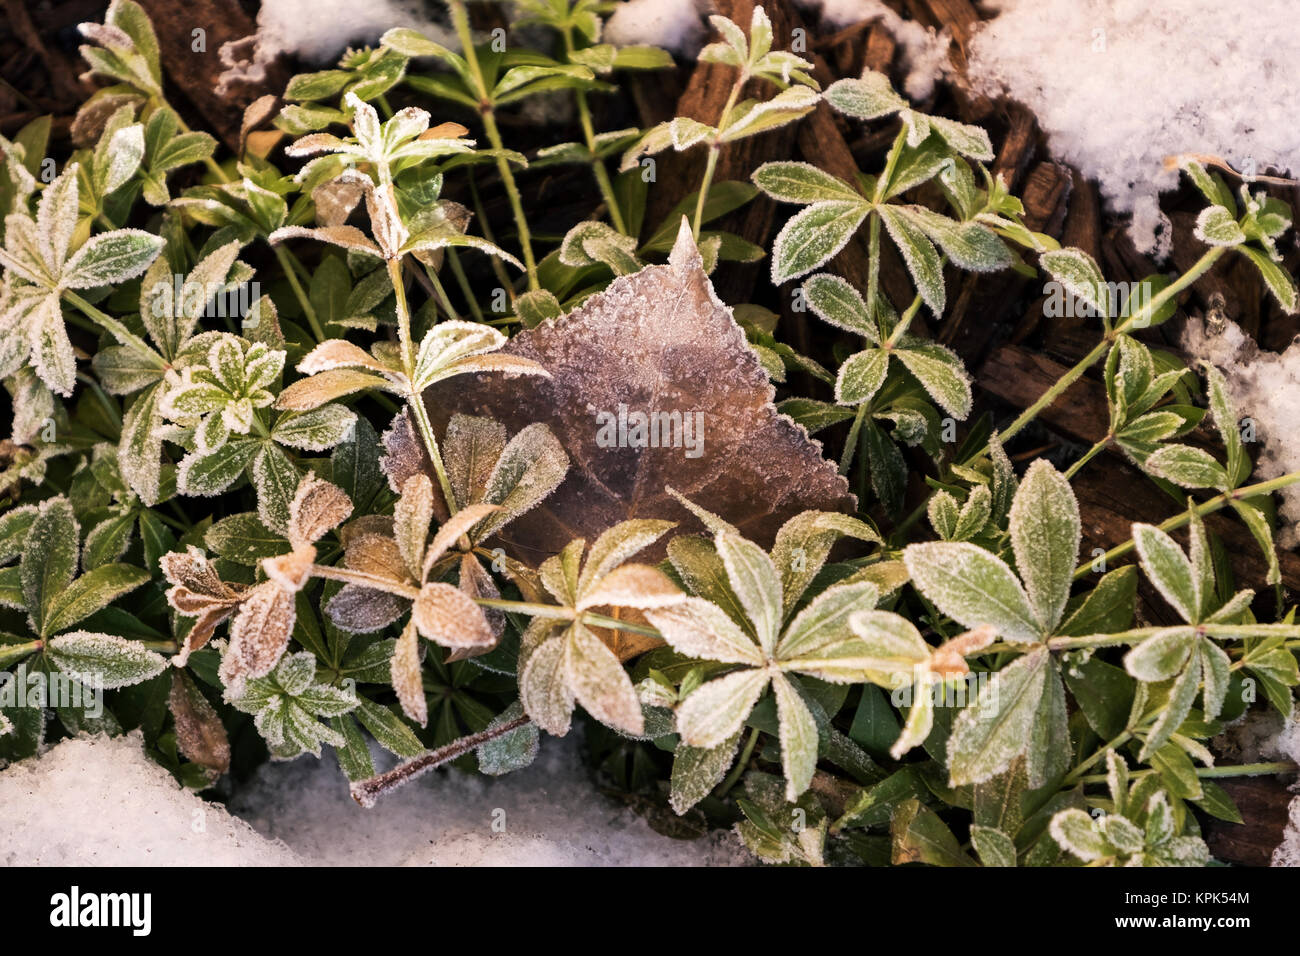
(904,321)
(1074,775)
(414,400)
(1209,506)
(597,165)
(101,396)
(441,293)
(710,166)
(299,293)
(851,445)
(715,147)
(1139,319)
(462,280)
(460,20)
(1211,773)
(739,769)
(115,328)
(1088,456)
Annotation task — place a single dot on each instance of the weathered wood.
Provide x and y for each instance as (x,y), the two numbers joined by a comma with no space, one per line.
(1265,807)
(960,18)
(196,73)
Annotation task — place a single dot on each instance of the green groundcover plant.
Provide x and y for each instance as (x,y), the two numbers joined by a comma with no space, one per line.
(369,501)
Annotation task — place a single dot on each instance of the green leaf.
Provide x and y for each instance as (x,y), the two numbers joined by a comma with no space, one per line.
(111,257)
(1275,277)
(802,183)
(512,751)
(1045,535)
(1216,226)
(1168,569)
(990,733)
(814,235)
(917,835)
(243,539)
(973,587)
(1080,275)
(389,731)
(994,847)
(715,711)
(104,660)
(835,301)
(941,374)
(1186,466)
(798,737)
(49,559)
(861,376)
(920,256)
(92,591)
(697,770)
(868,98)
(757,584)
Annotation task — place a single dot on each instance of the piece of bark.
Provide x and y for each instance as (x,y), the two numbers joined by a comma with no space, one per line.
(846,48)
(1265,808)
(1018,146)
(880,49)
(1020,377)
(197,73)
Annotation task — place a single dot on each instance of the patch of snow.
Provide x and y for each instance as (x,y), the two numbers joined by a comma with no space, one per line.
(1119,85)
(675,25)
(319,31)
(100,801)
(1265,387)
(925,52)
(548,814)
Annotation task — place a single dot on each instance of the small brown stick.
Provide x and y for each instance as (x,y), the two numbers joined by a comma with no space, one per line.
(1174,162)
(366,792)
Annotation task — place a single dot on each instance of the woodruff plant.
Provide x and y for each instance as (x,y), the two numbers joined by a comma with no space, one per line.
(849,687)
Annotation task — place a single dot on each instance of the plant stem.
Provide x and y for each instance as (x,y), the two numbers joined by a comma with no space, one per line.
(1209,506)
(1210,773)
(414,400)
(589,135)
(1088,456)
(739,769)
(903,322)
(462,280)
(1139,319)
(1074,775)
(115,328)
(460,20)
(366,792)
(851,445)
(299,293)
(715,147)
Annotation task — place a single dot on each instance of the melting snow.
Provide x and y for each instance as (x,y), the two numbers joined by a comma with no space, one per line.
(100,801)
(1265,387)
(1118,85)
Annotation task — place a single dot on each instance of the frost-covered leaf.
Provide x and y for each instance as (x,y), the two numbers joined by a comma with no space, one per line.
(919,254)
(801,183)
(642,344)
(697,770)
(49,559)
(940,373)
(973,587)
(89,593)
(599,683)
(798,734)
(1216,226)
(406,676)
(511,751)
(1186,466)
(104,660)
(110,258)
(716,710)
(699,628)
(448,616)
(1079,275)
(1045,536)
(1077,833)
(814,235)
(1168,569)
(997,727)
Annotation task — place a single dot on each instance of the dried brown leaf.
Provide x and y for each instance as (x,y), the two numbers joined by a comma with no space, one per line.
(657,341)
(259,635)
(404,669)
(448,616)
(317,507)
(200,735)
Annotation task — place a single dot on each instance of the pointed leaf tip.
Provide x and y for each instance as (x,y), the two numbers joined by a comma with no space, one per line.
(686,254)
